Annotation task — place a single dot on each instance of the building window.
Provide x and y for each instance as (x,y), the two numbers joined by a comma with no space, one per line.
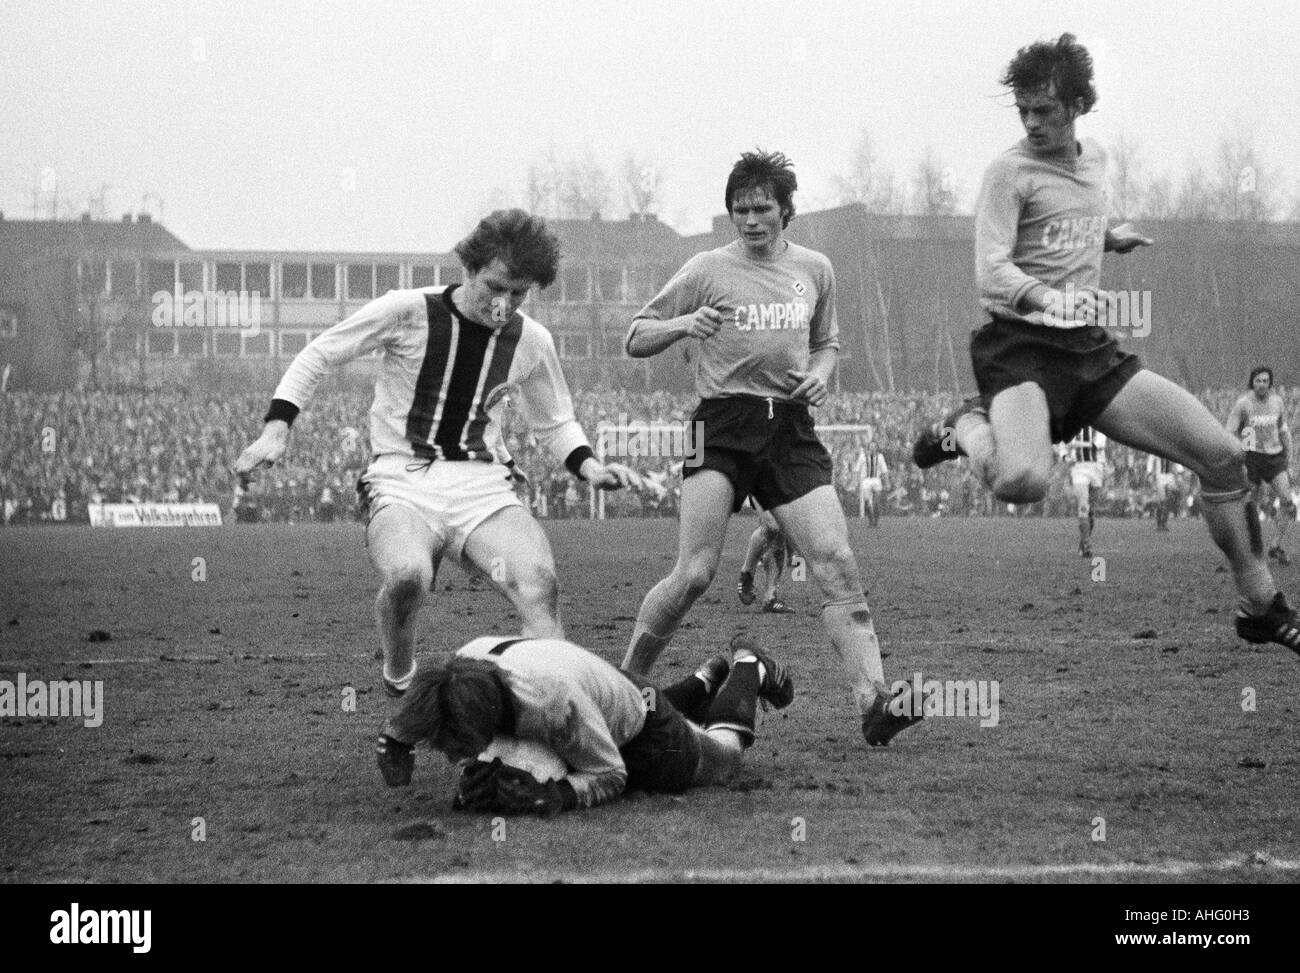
(361,284)
(425,275)
(574,278)
(8,322)
(610,280)
(257,345)
(228,277)
(190,342)
(121,281)
(161,276)
(225,344)
(292,342)
(257,280)
(293,281)
(322,282)
(191,277)
(93,276)
(160,341)
(575,346)
(386,279)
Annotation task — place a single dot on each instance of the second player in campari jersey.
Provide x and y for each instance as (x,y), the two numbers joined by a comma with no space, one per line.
(443,376)
(1260,423)
(774,314)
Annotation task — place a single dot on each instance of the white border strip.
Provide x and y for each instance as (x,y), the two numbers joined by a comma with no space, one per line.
(859,873)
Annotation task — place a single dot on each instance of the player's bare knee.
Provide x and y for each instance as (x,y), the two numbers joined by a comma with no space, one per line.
(403,586)
(1222,467)
(695,577)
(835,570)
(1022,484)
(535,584)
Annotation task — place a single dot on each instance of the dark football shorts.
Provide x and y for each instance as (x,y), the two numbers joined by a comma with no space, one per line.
(766,448)
(665,754)
(1265,467)
(1080,369)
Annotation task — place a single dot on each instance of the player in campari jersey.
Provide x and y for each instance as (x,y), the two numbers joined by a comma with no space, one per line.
(436,485)
(1258,419)
(1086,454)
(760,313)
(1046,369)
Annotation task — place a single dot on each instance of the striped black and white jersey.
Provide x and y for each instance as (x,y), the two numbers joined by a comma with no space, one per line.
(1088,446)
(443,378)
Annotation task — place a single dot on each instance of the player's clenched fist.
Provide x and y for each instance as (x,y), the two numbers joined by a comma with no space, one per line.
(704,323)
(265,451)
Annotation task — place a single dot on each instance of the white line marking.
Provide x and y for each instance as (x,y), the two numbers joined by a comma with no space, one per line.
(164,657)
(858,873)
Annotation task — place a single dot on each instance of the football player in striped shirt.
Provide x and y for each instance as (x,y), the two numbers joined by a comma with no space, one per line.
(760,313)
(1046,369)
(1258,419)
(1086,454)
(449,356)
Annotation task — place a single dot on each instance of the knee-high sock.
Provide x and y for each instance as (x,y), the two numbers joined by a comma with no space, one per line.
(690,697)
(850,628)
(975,437)
(1234,526)
(736,704)
(660,614)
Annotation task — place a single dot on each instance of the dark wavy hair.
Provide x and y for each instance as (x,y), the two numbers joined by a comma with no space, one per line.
(462,701)
(1064,63)
(769,171)
(1261,370)
(521,240)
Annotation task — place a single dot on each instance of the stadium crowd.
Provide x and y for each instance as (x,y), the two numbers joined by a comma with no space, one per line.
(65,451)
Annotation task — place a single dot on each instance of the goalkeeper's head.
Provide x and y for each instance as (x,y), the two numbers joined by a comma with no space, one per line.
(458,707)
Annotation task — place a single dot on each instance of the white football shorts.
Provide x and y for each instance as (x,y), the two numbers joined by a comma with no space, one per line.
(452,497)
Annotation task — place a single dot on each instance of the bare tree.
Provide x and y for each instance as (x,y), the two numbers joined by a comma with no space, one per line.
(584,189)
(1125,173)
(934,191)
(641,180)
(1242,186)
(868,181)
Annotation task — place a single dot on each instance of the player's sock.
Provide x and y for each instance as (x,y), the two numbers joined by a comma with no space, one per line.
(658,619)
(1233,522)
(850,628)
(735,707)
(397,685)
(691,696)
(975,437)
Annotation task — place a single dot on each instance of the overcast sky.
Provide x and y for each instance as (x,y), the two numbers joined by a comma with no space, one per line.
(392,126)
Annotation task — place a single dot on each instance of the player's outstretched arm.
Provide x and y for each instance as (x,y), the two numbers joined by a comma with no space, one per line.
(265,451)
(648,336)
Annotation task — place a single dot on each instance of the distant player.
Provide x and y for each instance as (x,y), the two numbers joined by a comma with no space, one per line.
(613,730)
(768,546)
(1044,367)
(760,313)
(872,475)
(1086,454)
(1162,474)
(435,487)
(1258,418)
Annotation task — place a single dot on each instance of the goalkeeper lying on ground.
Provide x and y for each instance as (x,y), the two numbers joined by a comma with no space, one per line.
(613,730)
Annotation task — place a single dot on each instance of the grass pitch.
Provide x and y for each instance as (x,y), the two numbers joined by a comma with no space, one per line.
(226,715)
